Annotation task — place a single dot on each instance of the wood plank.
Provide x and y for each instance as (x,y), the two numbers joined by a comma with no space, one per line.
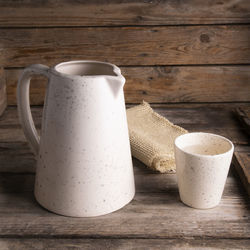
(10,118)
(193,119)
(242,164)
(242,148)
(117,12)
(154,212)
(224,105)
(169,45)
(15,155)
(243,115)
(149,215)
(171,84)
(198,116)
(3,95)
(196,119)
(123,244)
(146,181)
(16,158)
(218,121)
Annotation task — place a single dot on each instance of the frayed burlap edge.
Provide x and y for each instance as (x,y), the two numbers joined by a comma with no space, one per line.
(148,151)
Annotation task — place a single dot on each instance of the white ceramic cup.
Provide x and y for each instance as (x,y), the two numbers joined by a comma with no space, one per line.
(202,164)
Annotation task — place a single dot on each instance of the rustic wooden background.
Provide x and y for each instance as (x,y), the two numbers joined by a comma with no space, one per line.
(174,52)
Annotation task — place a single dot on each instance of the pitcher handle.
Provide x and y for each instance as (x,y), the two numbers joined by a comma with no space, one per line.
(23,103)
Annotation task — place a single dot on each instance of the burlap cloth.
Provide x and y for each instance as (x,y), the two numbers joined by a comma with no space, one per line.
(152,138)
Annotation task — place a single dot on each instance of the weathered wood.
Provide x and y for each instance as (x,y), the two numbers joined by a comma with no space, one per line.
(146,181)
(127,45)
(200,116)
(123,244)
(15,155)
(241,148)
(244,117)
(3,96)
(214,120)
(37,87)
(149,215)
(10,118)
(154,212)
(224,105)
(163,84)
(117,12)
(156,202)
(242,164)
(242,159)
(203,119)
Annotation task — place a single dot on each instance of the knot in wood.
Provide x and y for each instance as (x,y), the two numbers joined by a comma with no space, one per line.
(204,38)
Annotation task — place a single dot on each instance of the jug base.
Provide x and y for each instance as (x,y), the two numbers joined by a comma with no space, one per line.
(84,214)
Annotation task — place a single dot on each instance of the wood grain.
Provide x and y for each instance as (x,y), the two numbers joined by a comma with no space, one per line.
(146,181)
(242,164)
(165,84)
(153,214)
(149,215)
(123,244)
(16,158)
(117,12)
(15,155)
(201,118)
(243,115)
(169,45)
(3,95)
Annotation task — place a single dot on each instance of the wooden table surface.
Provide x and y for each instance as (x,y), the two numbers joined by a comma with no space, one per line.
(155,219)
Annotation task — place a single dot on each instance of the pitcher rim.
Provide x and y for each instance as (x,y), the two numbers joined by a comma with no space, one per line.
(116,69)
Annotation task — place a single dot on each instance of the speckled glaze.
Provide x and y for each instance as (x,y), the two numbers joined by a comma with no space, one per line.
(202,164)
(84,165)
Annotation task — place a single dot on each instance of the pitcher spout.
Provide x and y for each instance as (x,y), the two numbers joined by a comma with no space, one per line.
(92,69)
(116,82)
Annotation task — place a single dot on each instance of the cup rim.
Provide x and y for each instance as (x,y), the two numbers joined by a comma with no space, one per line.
(202,155)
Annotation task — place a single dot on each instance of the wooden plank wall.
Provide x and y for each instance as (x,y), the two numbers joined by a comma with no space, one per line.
(187,51)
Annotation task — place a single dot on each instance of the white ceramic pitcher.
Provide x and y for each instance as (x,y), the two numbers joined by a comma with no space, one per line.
(84,165)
